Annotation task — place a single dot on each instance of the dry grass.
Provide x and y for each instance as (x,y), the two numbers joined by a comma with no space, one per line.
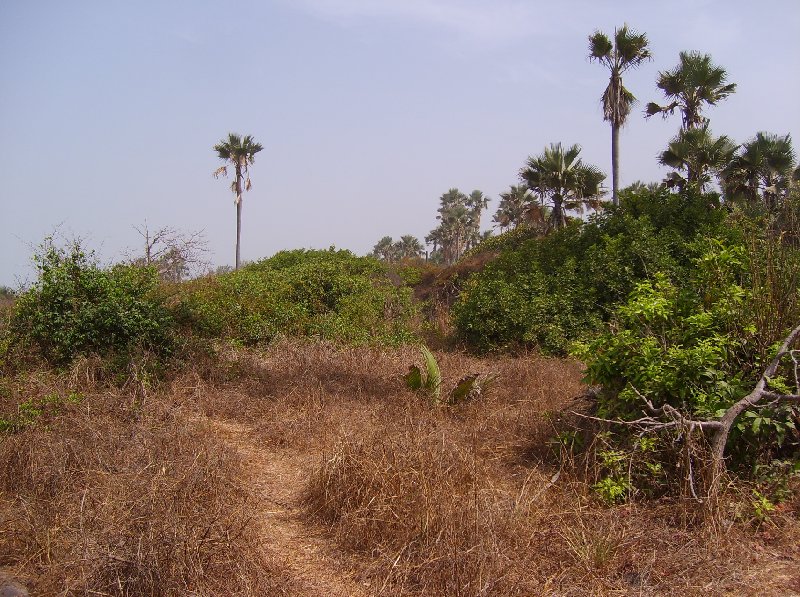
(132,492)
(105,498)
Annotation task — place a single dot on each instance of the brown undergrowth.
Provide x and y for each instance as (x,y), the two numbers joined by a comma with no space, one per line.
(137,491)
(109,495)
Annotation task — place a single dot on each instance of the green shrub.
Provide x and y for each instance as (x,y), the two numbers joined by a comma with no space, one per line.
(76,307)
(550,291)
(701,344)
(527,308)
(328,294)
(413,271)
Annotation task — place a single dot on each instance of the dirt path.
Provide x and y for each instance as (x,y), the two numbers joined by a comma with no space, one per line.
(278,477)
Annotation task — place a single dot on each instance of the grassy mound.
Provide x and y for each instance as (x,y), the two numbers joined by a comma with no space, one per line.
(327,294)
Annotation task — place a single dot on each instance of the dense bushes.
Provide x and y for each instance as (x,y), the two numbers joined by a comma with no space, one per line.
(550,291)
(328,294)
(76,307)
(700,346)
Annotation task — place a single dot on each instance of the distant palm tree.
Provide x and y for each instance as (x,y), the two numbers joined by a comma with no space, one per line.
(513,205)
(409,247)
(240,152)
(559,176)
(384,249)
(476,203)
(628,50)
(697,152)
(761,170)
(693,84)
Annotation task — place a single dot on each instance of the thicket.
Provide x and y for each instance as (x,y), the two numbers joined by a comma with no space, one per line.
(327,294)
(700,344)
(547,292)
(670,299)
(77,307)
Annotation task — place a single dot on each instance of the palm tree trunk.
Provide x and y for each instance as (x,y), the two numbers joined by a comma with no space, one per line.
(238,229)
(615,162)
(238,214)
(558,211)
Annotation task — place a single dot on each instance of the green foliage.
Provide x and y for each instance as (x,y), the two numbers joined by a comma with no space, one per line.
(699,341)
(611,489)
(328,294)
(670,347)
(762,506)
(76,307)
(31,410)
(429,381)
(548,292)
(413,271)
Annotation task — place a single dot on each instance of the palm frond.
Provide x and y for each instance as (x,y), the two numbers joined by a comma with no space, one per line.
(433,378)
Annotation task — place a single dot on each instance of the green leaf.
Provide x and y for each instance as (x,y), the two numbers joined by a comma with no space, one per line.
(463,389)
(433,379)
(413,378)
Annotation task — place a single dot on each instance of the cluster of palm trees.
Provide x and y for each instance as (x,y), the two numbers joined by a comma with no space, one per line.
(557,181)
(459,226)
(408,247)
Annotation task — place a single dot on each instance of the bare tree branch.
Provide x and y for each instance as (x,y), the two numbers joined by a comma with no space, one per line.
(175,254)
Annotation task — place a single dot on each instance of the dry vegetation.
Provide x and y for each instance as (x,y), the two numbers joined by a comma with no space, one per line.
(310,470)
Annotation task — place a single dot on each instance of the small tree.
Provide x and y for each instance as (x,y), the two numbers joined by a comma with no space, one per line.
(175,255)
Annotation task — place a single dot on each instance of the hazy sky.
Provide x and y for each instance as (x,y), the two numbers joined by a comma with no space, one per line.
(368,110)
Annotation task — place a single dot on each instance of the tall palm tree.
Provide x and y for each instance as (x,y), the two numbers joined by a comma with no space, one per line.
(476,203)
(762,169)
(239,152)
(628,50)
(699,153)
(694,83)
(561,177)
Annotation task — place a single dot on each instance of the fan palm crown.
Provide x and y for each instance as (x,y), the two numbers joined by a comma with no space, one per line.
(558,175)
(694,83)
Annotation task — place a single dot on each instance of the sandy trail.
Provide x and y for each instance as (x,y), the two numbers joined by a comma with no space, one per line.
(278,477)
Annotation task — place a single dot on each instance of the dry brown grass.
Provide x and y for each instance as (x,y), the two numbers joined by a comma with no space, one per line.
(107,498)
(136,491)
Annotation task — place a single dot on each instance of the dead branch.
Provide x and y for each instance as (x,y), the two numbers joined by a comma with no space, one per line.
(668,417)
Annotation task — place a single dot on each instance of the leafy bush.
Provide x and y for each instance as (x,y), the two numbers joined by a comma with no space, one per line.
(329,294)
(76,307)
(414,271)
(700,345)
(547,292)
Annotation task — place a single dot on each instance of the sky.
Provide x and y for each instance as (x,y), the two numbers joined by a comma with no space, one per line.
(368,110)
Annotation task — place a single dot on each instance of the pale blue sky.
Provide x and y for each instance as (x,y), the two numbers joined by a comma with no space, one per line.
(368,110)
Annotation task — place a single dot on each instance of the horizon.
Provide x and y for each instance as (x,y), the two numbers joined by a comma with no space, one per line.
(367,111)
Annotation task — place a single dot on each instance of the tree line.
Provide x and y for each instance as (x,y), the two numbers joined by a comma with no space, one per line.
(557,184)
